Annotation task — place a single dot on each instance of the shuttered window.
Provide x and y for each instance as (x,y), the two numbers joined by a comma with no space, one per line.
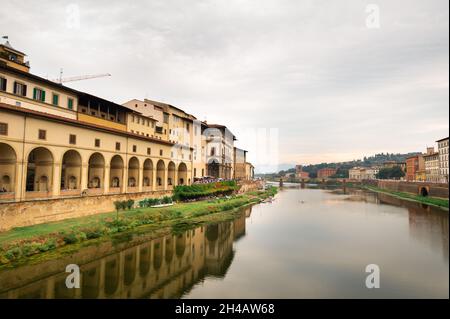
(70,103)
(55,99)
(2,84)
(39,95)
(20,89)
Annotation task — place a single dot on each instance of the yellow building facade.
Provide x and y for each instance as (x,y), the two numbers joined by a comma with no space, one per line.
(56,142)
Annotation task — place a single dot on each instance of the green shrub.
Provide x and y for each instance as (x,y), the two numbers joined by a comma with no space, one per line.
(189,192)
(13,253)
(129,204)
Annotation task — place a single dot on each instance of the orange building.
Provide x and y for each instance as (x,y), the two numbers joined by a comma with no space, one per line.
(414,166)
(326,172)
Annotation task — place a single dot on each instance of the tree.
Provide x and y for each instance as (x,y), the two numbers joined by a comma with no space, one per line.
(390,173)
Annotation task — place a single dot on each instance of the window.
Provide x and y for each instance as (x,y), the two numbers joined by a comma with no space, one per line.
(166,118)
(72,139)
(20,89)
(97,142)
(160,153)
(2,84)
(42,134)
(39,94)
(70,103)
(3,128)
(195,172)
(149,151)
(134,148)
(117,146)
(55,99)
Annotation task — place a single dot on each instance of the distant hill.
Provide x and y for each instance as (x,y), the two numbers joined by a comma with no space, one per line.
(343,167)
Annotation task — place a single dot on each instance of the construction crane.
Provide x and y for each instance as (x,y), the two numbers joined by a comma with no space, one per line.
(62,80)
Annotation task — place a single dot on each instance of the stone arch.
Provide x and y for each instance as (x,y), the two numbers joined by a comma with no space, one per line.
(182,174)
(116,171)
(424,191)
(169,249)
(160,173)
(171,174)
(213,168)
(112,273)
(180,245)
(148,173)
(39,170)
(96,171)
(157,254)
(133,172)
(8,159)
(71,170)
(129,268)
(91,281)
(144,260)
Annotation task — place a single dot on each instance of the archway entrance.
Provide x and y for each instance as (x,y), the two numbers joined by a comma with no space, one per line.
(171,175)
(8,161)
(133,172)
(116,172)
(182,174)
(213,168)
(160,174)
(148,173)
(424,191)
(96,171)
(39,170)
(71,170)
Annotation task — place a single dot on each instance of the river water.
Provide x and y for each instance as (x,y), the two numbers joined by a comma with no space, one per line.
(307,243)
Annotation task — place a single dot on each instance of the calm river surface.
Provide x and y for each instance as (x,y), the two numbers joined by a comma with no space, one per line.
(308,243)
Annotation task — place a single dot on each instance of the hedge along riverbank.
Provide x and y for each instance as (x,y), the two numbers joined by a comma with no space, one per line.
(40,239)
(196,191)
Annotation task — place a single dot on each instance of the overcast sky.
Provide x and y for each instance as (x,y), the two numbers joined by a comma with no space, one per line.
(330,86)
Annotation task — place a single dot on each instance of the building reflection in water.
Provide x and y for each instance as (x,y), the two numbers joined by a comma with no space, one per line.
(165,267)
(427,224)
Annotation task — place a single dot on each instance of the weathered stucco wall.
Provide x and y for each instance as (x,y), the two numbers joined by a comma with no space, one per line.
(44,211)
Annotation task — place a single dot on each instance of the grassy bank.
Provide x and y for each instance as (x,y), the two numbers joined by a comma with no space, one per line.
(439,202)
(22,243)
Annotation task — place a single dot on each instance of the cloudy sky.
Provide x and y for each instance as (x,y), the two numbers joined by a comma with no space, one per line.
(296,81)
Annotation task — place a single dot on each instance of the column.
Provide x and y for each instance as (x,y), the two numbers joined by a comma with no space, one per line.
(106,179)
(19,186)
(23,188)
(153,179)
(175,182)
(125,180)
(141,176)
(84,176)
(56,186)
(166,176)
